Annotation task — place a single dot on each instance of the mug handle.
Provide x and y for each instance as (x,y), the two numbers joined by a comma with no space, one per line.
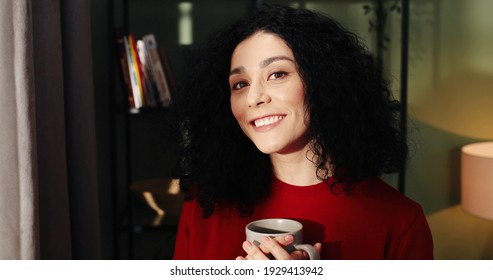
(309,249)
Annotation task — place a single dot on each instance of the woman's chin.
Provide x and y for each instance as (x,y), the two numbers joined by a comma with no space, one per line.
(267,149)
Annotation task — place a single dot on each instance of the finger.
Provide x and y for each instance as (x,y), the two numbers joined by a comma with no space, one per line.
(276,249)
(285,240)
(303,255)
(318,247)
(253,252)
(299,255)
(240,258)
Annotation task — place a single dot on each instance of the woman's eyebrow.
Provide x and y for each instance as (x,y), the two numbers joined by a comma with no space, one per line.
(270,60)
(264,63)
(237,70)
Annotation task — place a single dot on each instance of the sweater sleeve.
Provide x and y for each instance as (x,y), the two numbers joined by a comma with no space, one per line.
(416,242)
(182,244)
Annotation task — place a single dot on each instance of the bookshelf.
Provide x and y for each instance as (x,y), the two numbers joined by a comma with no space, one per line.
(143,155)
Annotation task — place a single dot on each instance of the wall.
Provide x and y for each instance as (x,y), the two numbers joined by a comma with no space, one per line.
(450,94)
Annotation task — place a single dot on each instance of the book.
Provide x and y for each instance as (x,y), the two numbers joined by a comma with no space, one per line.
(147,75)
(157,70)
(122,56)
(133,76)
(150,89)
(136,67)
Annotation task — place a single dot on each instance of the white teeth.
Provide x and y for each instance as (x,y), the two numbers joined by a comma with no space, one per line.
(267,121)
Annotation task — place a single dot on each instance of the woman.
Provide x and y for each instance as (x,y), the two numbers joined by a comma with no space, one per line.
(288,118)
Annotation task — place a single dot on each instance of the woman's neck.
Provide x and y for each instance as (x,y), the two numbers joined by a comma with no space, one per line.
(295,168)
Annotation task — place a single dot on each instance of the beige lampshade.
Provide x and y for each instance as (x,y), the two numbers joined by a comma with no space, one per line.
(477,179)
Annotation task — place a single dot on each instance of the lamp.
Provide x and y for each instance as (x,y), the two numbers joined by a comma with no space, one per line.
(477,179)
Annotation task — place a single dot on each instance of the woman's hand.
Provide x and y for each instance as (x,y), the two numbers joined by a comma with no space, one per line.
(276,248)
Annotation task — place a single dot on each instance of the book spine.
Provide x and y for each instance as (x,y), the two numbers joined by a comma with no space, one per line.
(133,75)
(137,67)
(157,69)
(146,76)
(122,56)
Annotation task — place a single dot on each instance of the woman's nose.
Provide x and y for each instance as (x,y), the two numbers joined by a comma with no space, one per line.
(257,96)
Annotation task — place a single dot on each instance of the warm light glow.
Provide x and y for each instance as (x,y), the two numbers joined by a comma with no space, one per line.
(451,67)
(461,105)
(477,179)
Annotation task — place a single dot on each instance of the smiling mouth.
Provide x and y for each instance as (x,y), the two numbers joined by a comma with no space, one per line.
(267,121)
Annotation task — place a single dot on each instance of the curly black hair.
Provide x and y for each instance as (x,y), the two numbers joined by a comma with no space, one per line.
(353,124)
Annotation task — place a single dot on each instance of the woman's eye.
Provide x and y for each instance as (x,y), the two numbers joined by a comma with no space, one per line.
(277,75)
(239,85)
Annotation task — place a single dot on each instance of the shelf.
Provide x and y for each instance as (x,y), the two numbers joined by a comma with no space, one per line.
(143,145)
(147,110)
(123,108)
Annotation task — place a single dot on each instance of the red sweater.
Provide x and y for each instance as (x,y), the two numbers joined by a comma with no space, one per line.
(375,222)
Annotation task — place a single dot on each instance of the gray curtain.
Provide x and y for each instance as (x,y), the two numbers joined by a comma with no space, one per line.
(48,180)
(18,179)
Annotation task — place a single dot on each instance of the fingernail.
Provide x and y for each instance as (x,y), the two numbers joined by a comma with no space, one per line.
(247,245)
(265,239)
(288,237)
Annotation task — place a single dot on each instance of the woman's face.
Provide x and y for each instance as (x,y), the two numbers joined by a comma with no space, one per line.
(267,94)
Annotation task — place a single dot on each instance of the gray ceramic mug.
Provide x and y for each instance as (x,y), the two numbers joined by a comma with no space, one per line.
(276,227)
